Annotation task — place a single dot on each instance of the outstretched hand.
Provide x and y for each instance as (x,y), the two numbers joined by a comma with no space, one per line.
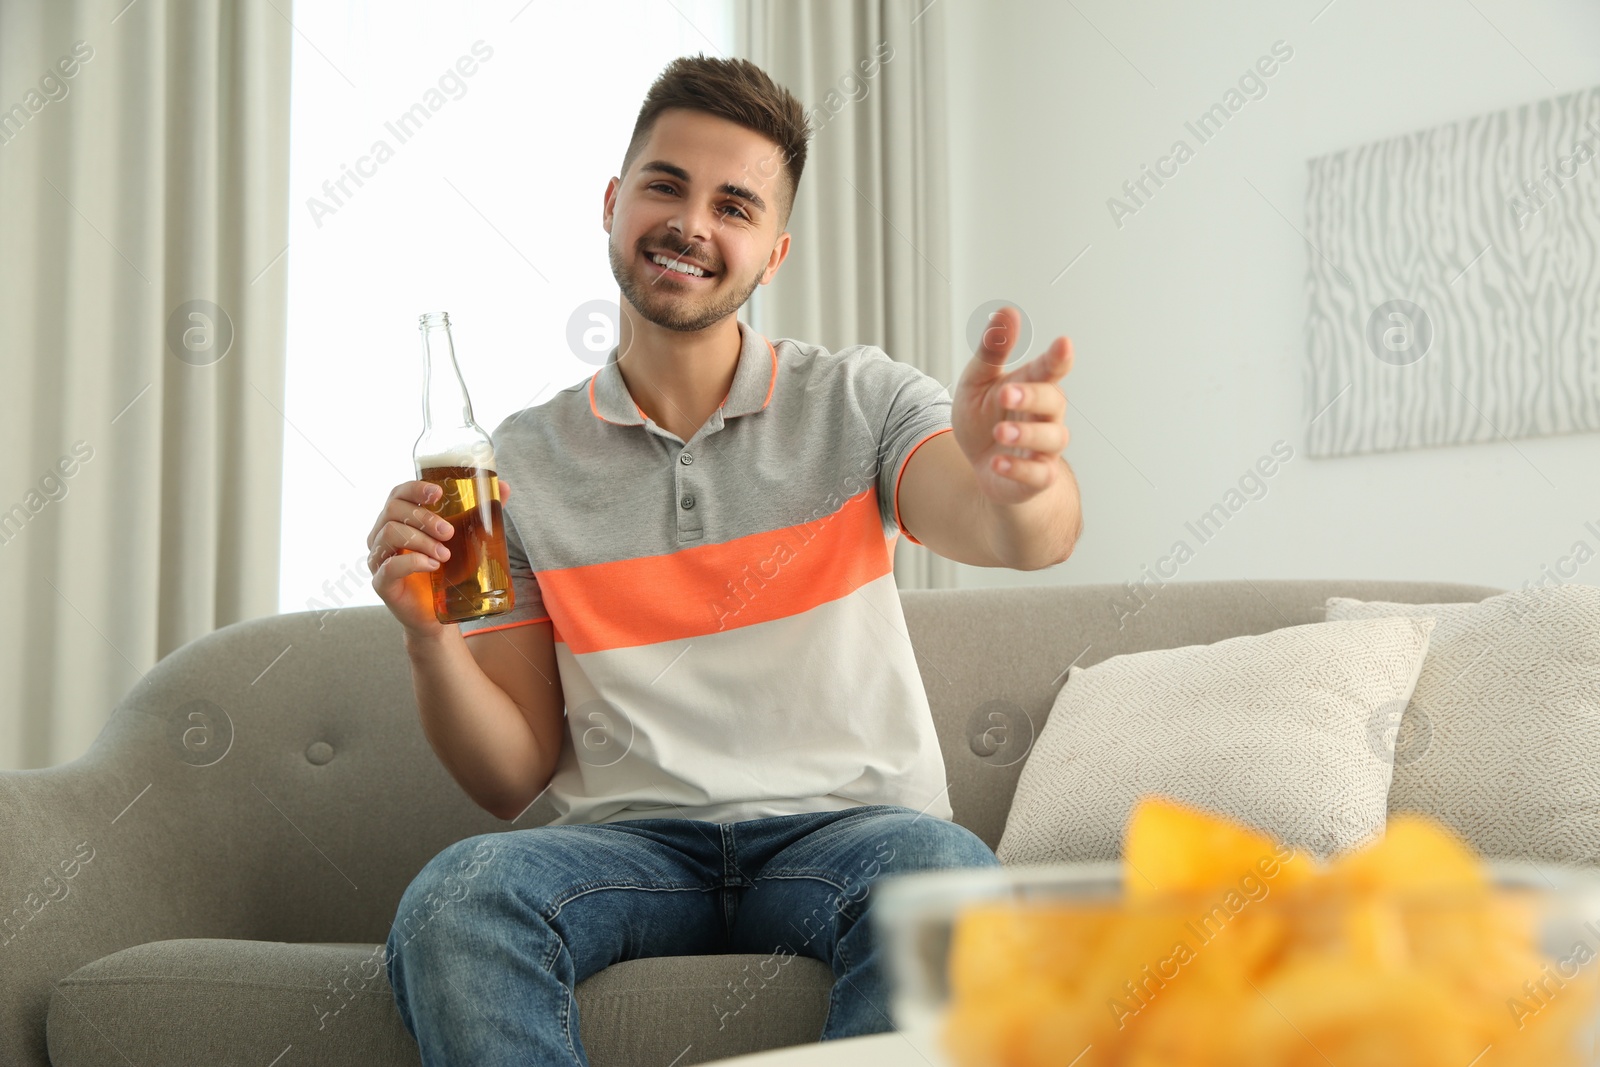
(1011,424)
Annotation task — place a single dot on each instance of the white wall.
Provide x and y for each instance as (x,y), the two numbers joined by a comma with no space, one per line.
(1187,323)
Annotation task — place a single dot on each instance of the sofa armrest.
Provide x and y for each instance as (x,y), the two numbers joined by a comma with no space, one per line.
(85,852)
(268,781)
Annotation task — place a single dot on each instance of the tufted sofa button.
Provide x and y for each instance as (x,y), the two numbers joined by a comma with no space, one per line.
(319,752)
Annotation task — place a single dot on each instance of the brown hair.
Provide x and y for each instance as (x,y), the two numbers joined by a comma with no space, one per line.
(741,92)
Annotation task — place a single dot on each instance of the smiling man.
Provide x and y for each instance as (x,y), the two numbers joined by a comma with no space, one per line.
(701,538)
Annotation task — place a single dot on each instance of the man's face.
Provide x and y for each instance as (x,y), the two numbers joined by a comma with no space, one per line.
(675,200)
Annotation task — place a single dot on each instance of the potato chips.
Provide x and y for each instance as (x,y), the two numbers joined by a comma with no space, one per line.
(1229,948)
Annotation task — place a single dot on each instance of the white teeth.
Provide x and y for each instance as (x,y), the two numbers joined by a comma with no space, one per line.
(681,268)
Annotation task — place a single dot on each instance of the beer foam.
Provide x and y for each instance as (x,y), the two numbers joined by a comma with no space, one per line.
(483,456)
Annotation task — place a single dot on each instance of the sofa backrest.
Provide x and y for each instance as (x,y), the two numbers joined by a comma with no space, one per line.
(993,660)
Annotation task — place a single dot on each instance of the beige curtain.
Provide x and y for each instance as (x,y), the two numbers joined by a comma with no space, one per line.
(143,224)
(869,259)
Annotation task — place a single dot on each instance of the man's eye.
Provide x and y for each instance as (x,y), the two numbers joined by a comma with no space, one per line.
(732,207)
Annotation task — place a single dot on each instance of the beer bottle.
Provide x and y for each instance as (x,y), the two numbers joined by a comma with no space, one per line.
(456,455)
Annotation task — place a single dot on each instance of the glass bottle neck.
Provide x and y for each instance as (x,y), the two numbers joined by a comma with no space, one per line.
(444,394)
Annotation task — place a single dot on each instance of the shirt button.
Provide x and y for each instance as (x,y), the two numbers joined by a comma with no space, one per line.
(685,458)
(687,501)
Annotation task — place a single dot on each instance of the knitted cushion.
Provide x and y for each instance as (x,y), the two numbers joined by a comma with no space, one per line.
(1501,739)
(1281,730)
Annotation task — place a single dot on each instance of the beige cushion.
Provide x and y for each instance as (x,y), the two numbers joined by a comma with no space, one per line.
(1274,729)
(1501,739)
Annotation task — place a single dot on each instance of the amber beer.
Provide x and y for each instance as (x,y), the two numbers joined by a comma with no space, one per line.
(456,455)
(476,579)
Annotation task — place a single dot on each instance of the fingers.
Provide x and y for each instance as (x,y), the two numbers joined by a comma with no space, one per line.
(396,568)
(1033,398)
(1039,437)
(409,503)
(409,500)
(1036,473)
(1053,364)
(395,537)
(998,337)
(408,525)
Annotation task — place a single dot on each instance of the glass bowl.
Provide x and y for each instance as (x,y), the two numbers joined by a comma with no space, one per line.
(1024,966)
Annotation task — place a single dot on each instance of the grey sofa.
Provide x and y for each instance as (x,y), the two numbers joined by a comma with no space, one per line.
(213,881)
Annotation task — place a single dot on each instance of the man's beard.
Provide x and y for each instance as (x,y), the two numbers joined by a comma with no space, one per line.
(674,309)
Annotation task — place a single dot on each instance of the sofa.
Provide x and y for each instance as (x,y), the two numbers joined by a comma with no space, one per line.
(213,881)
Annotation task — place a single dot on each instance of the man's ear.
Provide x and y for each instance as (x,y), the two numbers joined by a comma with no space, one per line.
(608,206)
(780,252)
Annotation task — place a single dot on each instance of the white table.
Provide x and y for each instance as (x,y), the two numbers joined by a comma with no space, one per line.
(894,1049)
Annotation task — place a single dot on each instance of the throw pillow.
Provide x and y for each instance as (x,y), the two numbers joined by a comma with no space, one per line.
(1501,739)
(1274,729)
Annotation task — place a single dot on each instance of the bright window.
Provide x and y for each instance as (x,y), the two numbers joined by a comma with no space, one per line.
(444,158)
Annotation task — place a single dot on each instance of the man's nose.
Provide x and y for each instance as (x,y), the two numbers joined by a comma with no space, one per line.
(691,222)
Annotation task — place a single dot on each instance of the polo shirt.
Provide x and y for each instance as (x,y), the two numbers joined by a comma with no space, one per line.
(726,621)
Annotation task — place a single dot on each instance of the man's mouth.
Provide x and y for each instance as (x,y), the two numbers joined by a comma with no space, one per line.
(662,263)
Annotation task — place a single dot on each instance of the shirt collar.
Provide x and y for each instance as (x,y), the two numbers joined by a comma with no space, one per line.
(751,390)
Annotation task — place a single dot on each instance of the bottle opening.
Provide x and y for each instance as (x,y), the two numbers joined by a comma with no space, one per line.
(434,318)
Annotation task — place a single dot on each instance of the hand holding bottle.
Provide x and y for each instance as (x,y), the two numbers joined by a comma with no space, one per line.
(407,544)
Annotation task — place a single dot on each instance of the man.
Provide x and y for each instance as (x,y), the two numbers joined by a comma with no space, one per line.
(701,542)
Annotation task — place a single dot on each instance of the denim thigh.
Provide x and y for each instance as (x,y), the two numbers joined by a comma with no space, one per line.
(612,891)
(493,935)
(812,880)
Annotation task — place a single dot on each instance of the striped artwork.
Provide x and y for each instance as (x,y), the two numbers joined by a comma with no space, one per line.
(1454,283)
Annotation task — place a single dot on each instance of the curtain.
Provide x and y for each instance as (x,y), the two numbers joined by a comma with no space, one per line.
(869,257)
(143,235)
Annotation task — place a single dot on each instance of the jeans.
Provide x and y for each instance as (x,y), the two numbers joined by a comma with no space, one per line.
(497,930)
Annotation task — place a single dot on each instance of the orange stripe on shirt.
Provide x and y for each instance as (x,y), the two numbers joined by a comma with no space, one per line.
(709,588)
